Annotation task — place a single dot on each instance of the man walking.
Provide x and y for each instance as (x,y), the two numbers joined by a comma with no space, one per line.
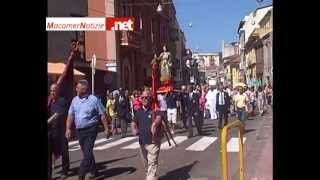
(172,100)
(194,111)
(223,103)
(240,101)
(148,126)
(211,101)
(184,98)
(163,105)
(122,107)
(84,111)
(58,144)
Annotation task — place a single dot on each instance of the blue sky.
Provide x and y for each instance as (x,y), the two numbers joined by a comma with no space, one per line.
(212,21)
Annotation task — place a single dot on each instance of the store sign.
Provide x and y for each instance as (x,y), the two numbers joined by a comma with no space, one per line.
(120,24)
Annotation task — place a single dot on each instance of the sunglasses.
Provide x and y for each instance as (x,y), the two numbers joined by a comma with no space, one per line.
(145,97)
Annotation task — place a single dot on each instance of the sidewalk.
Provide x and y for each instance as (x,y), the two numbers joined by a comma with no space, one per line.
(262,158)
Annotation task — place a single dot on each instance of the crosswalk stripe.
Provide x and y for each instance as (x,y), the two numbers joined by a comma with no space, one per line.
(73,143)
(233,144)
(134,145)
(202,144)
(114,143)
(76,148)
(178,139)
(101,140)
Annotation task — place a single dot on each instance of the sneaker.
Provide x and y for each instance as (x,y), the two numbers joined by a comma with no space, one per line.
(64,176)
(90,176)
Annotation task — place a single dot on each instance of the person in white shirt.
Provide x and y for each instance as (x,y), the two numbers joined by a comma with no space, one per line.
(252,100)
(247,92)
(261,96)
(163,104)
(211,101)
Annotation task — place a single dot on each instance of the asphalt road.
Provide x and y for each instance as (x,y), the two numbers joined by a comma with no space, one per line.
(196,158)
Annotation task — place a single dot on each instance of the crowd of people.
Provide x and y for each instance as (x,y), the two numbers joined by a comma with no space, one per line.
(190,104)
(194,101)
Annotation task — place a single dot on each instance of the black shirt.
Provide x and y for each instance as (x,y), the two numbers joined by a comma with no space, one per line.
(143,118)
(184,98)
(58,106)
(193,106)
(171,100)
(122,107)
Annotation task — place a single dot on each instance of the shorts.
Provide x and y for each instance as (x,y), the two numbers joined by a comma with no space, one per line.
(172,115)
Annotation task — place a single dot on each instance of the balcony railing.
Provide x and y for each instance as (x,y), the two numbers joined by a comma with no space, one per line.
(130,39)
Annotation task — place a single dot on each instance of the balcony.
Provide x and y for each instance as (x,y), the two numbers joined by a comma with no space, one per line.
(261,32)
(130,39)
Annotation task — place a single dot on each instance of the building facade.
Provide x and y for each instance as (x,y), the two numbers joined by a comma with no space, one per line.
(209,65)
(136,49)
(255,33)
(59,42)
(231,63)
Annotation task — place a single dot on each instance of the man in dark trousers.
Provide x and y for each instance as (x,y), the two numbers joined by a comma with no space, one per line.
(222,104)
(147,125)
(122,107)
(84,112)
(184,99)
(58,144)
(194,111)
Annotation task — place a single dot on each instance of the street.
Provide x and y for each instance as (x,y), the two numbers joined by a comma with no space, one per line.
(197,158)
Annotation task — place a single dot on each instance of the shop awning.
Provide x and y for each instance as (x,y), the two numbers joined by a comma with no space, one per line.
(58,68)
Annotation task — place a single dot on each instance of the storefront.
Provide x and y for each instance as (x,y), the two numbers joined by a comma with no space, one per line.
(56,69)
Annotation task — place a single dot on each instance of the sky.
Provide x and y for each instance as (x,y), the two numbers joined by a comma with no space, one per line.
(212,21)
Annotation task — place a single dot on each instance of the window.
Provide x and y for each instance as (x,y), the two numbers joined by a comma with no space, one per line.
(80,36)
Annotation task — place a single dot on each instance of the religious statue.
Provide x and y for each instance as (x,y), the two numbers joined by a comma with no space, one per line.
(165,65)
(162,65)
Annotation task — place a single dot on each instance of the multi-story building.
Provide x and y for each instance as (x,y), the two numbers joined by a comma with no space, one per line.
(152,30)
(122,58)
(231,63)
(59,41)
(255,32)
(209,65)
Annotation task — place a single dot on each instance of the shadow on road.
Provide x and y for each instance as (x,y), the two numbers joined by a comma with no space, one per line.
(58,166)
(181,173)
(99,165)
(249,130)
(116,171)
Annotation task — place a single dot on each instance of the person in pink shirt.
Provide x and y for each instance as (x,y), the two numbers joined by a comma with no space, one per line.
(202,103)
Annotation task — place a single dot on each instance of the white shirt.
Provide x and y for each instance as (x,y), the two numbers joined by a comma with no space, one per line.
(162,102)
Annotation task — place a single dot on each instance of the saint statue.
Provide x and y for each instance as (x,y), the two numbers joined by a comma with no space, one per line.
(165,65)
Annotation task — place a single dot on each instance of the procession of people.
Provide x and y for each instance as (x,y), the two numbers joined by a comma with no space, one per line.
(153,112)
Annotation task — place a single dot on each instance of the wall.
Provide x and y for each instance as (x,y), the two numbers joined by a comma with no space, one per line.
(59,42)
(252,21)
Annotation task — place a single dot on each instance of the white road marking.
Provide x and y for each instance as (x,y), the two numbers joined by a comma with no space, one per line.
(76,148)
(202,144)
(73,143)
(178,139)
(233,144)
(134,145)
(115,143)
